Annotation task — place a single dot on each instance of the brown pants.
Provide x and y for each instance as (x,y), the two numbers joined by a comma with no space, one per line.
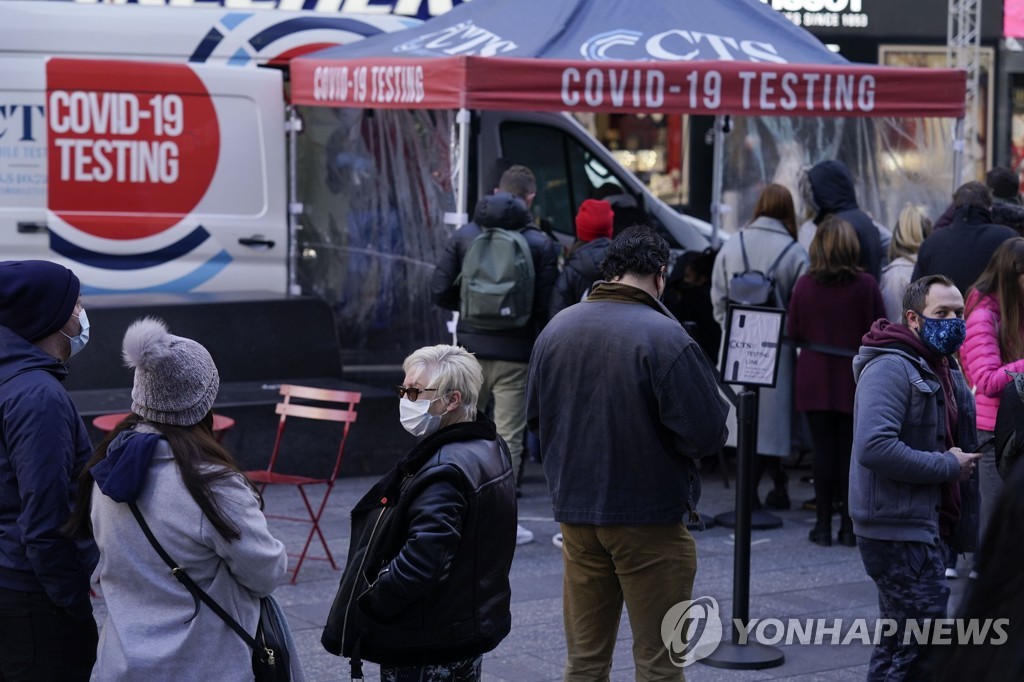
(650,568)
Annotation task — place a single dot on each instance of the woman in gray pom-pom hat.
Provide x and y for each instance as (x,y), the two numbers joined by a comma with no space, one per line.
(201,509)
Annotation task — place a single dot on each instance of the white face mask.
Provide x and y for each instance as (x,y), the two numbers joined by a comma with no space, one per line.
(78,342)
(415,417)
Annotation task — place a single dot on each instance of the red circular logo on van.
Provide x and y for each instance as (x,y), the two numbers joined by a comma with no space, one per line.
(132,148)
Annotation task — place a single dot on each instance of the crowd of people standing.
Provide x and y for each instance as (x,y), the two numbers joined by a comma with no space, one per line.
(899,350)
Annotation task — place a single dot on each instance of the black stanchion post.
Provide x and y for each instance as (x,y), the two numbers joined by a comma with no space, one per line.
(747,418)
(754,519)
(751,655)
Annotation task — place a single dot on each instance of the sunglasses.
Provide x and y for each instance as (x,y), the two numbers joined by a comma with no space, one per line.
(413,393)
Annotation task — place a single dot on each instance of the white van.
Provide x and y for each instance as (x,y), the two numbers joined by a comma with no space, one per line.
(152,177)
(145,177)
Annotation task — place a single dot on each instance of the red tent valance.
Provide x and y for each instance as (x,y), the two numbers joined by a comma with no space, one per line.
(709,87)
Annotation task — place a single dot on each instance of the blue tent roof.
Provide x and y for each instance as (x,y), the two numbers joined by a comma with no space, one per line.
(602,30)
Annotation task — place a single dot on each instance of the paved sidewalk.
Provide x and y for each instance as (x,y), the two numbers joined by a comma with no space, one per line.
(792,578)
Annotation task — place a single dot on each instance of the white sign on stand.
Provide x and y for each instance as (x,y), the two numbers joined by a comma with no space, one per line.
(752,339)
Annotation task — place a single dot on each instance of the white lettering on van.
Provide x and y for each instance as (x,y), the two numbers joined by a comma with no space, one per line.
(104,116)
(137,161)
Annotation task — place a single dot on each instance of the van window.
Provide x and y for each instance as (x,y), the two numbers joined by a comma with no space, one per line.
(567,172)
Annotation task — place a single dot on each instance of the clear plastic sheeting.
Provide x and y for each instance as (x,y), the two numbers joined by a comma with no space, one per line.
(374,186)
(893,162)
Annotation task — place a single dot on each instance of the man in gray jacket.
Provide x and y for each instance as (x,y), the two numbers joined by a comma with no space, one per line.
(624,402)
(913,421)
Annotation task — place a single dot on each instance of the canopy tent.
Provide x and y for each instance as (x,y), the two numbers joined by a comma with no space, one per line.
(372,255)
(729,57)
(723,57)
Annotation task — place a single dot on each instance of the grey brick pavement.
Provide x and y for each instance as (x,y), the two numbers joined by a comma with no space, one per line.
(792,578)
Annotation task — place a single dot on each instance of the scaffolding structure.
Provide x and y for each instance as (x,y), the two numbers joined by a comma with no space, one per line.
(963,51)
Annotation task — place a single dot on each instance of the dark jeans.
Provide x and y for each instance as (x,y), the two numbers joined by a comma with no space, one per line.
(41,643)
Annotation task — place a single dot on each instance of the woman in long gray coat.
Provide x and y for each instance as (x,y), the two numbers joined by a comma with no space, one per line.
(201,509)
(771,234)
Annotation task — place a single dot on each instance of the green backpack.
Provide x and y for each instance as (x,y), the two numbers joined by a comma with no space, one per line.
(497,281)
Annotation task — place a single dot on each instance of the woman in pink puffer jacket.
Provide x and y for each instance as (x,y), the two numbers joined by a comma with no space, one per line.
(994,345)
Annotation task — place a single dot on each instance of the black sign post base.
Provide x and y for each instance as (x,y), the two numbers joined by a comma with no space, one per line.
(749,656)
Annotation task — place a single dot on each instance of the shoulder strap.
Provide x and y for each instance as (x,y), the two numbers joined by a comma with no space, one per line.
(743,250)
(197,592)
(778,259)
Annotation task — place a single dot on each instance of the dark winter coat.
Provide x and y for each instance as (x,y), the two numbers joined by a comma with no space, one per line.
(582,268)
(432,542)
(43,447)
(624,402)
(834,194)
(962,250)
(1008,213)
(511,213)
(830,317)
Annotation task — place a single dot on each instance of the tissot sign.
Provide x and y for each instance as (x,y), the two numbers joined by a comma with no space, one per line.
(822,13)
(898,19)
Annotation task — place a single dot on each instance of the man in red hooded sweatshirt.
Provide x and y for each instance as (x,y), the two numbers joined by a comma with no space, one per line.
(913,444)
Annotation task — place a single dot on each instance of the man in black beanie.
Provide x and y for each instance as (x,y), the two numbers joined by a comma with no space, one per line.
(46,622)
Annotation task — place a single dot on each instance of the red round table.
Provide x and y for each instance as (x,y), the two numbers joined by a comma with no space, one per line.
(107,422)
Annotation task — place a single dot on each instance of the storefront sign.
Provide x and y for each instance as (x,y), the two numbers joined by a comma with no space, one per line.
(823,13)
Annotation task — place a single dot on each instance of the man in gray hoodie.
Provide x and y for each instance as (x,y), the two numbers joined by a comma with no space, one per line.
(912,464)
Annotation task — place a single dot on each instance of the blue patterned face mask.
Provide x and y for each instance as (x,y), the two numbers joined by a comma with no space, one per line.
(945,335)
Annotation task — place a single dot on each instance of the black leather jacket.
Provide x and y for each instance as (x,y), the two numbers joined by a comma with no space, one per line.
(432,542)
(499,210)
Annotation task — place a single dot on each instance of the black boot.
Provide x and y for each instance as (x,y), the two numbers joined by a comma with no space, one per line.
(778,497)
(821,534)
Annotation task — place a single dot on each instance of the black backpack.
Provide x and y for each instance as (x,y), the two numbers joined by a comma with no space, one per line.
(753,287)
(1010,425)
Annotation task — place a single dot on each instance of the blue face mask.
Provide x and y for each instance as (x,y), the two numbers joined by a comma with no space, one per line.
(78,342)
(943,336)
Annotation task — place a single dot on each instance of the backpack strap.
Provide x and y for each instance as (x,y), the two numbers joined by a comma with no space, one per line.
(743,250)
(778,259)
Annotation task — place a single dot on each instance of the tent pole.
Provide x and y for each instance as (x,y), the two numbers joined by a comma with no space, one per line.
(716,180)
(462,196)
(958,153)
(293,126)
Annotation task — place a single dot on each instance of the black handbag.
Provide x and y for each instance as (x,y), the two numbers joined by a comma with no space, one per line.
(270,655)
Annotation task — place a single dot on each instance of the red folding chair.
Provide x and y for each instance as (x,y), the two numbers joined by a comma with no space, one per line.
(272,476)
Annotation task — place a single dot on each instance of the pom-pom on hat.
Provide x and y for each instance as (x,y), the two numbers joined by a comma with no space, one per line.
(594,220)
(176,380)
(37,297)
